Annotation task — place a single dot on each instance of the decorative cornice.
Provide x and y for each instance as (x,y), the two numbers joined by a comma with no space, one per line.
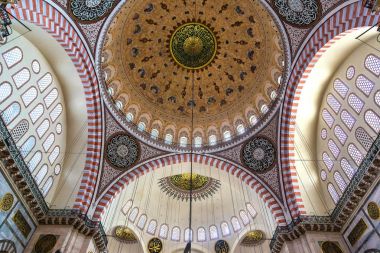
(15,165)
(367,174)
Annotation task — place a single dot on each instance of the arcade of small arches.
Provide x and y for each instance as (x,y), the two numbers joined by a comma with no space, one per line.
(112,110)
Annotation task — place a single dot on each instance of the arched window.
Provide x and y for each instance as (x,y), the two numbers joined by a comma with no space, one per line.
(54,154)
(340,134)
(119,104)
(164,229)
(27,146)
(36,113)
(377,98)
(334,195)
(350,73)
(152,226)
(154,134)
(168,139)
(240,129)
(198,141)
(213,232)
(19,130)
(54,114)
(126,207)
(29,96)
(347,168)
(183,141)
(235,224)
(142,221)
(264,108)
(133,215)
(34,161)
(347,119)
(227,135)
(43,127)
(201,235)
(372,63)
(10,113)
(373,120)
(327,161)
(111,91)
(212,139)
(253,120)
(188,235)
(364,84)
(333,103)
(48,142)
(141,126)
(323,175)
(328,118)
(355,154)
(48,184)
(41,174)
(45,82)
(341,88)
(273,94)
(21,77)
(333,148)
(244,217)
(12,57)
(129,117)
(364,138)
(355,103)
(176,232)
(5,91)
(340,181)
(51,97)
(251,210)
(225,229)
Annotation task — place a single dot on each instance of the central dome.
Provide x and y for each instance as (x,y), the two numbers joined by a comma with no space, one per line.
(193,46)
(231,52)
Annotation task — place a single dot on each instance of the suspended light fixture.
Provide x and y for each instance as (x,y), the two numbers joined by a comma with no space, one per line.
(373,5)
(5,21)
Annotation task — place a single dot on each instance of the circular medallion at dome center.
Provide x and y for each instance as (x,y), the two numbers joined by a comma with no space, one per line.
(193,46)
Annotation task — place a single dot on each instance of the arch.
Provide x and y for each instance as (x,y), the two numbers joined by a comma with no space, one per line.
(270,201)
(8,246)
(343,20)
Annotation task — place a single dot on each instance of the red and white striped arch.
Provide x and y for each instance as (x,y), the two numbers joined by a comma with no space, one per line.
(271,202)
(349,17)
(52,21)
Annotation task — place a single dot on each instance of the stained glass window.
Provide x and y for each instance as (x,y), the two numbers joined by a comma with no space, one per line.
(27,147)
(323,133)
(183,141)
(51,97)
(273,94)
(201,236)
(333,148)
(41,174)
(45,82)
(168,139)
(347,168)
(34,161)
(43,127)
(341,88)
(48,184)
(333,103)
(176,232)
(10,113)
(253,120)
(133,215)
(57,169)
(350,72)
(235,224)
(54,114)
(141,126)
(154,134)
(227,135)
(212,139)
(340,134)
(264,108)
(251,210)
(347,119)
(328,118)
(327,161)
(373,120)
(29,96)
(36,113)
(126,207)
(240,129)
(364,138)
(188,235)
(21,77)
(198,141)
(164,229)
(142,221)
(48,142)
(377,98)
(355,154)
(364,84)
(244,217)
(213,232)
(372,63)
(5,91)
(129,117)
(19,130)
(334,195)
(225,229)
(119,104)
(36,66)
(355,103)
(152,226)
(12,57)
(323,175)
(340,181)
(54,154)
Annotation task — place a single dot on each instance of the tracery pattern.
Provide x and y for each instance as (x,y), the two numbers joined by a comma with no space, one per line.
(122,151)
(90,10)
(299,13)
(259,154)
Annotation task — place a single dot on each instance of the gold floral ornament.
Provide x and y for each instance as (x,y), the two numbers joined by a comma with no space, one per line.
(373,210)
(155,245)
(45,243)
(6,202)
(124,234)
(253,238)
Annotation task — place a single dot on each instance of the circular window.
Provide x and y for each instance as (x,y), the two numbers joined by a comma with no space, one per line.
(57,169)
(36,66)
(323,175)
(324,133)
(350,72)
(58,128)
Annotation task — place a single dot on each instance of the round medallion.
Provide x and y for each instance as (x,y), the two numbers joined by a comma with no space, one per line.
(259,154)
(373,210)
(6,202)
(155,245)
(122,151)
(221,246)
(193,46)
(45,243)
(90,10)
(299,13)
(253,238)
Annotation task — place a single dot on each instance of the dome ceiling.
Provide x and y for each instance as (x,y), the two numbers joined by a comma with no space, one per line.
(229,51)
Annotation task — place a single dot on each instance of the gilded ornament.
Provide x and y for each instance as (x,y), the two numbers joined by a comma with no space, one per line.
(124,234)
(122,151)
(302,13)
(22,224)
(331,247)
(253,238)
(357,232)
(193,45)
(373,210)
(6,202)
(90,10)
(259,154)
(222,246)
(155,245)
(45,243)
